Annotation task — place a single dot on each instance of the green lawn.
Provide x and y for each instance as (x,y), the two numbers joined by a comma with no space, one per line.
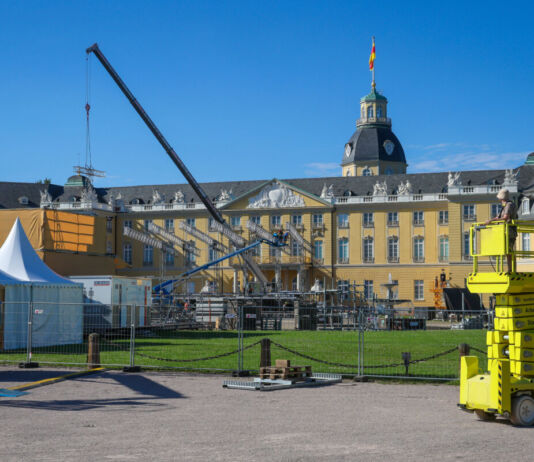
(339,349)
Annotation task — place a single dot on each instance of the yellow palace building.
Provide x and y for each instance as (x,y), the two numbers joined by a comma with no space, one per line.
(372,221)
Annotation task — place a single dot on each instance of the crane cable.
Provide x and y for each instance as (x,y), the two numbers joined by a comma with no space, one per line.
(88,160)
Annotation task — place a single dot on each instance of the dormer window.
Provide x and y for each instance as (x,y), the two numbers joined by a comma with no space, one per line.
(370,112)
(23,200)
(73,199)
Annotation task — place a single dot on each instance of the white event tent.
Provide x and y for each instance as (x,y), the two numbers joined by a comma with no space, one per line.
(31,290)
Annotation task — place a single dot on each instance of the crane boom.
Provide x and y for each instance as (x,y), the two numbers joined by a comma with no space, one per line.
(213,211)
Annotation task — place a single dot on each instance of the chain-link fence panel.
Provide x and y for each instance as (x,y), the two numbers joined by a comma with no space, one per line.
(421,344)
(325,339)
(15,338)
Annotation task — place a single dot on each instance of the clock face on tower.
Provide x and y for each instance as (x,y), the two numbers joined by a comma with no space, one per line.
(389,146)
(347,150)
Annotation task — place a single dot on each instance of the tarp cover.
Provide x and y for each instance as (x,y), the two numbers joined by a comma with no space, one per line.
(20,261)
(56,311)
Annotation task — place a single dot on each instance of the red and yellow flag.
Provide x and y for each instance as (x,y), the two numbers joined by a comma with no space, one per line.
(372,57)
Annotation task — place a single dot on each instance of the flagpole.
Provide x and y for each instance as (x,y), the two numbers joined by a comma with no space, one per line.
(373,84)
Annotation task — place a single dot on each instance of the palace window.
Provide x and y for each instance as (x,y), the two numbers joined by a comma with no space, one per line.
(190,257)
(368,249)
(379,111)
(275,221)
(419,218)
(169,258)
(213,254)
(443,217)
(169,225)
(495,209)
(148,255)
(127,224)
(127,253)
(255,251)
(296,220)
(296,248)
(343,250)
(525,241)
(368,220)
(370,112)
(256,219)
(368,292)
(469,212)
(318,250)
(444,248)
(109,224)
(235,222)
(525,206)
(317,220)
(146,224)
(393,249)
(466,249)
(191,222)
(419,289)
(367,172)
(275,251)
(343,220)
(418,249)
(393,219)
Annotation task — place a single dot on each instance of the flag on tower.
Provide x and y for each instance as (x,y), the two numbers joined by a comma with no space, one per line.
(372,57)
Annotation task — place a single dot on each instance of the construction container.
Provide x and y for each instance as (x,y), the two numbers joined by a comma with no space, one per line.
(115,301)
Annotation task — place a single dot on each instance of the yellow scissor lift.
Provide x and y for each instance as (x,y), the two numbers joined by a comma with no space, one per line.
(508,388)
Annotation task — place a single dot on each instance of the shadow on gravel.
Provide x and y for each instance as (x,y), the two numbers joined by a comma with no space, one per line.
(147,391)
(31,375)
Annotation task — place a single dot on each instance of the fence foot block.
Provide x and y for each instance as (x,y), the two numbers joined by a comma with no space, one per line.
(131,369)
(360,378)
(29,365)
(240,373)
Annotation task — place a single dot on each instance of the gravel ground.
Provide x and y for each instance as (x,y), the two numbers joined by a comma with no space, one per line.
(158,416)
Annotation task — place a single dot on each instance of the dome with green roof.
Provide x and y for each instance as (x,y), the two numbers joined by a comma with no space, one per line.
(373,96)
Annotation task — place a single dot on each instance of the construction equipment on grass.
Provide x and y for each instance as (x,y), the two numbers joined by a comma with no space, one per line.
(507,390)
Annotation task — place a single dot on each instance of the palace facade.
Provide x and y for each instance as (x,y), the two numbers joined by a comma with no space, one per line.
(373,222)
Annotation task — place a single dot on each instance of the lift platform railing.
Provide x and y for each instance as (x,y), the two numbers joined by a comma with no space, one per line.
(493,241)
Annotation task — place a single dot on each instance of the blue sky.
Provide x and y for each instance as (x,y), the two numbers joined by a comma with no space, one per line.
(256,90)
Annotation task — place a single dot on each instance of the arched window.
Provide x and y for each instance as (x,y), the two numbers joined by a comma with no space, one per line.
(169,258)
(393,249)
(367,172)
(444,248)
(368,249)
(379,111)
(318,250)
(418,249)
(127,253)
(370,113)
(343,250)
(148,255)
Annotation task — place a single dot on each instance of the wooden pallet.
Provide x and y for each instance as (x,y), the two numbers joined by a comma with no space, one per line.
(285,373)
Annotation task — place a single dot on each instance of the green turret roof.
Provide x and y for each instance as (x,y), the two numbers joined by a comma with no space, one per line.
(373,96)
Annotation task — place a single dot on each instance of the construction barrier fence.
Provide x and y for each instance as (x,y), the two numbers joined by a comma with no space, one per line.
(352,341)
